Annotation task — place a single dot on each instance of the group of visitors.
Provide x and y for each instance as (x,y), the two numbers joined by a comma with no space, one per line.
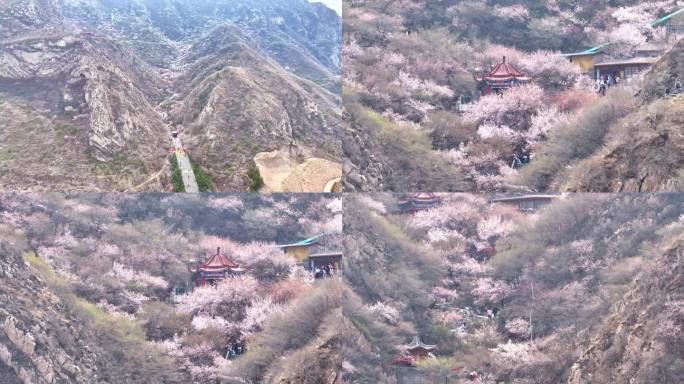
(235,350)
(327,270)
(677,89)
(606,81)
(520,159)
(491,313)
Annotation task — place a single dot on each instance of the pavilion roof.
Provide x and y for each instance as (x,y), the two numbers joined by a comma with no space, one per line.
(424,196)
(416,343)
(505,71)
(217,262)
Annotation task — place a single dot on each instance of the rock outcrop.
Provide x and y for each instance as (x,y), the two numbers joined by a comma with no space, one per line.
(88,100)
(39,342)
(644,153)
(642,341)
(320,361)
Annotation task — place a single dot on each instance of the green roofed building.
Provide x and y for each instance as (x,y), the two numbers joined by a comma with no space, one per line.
(591,63)
(300,249)
(585,59)
(673,23)
(324,263)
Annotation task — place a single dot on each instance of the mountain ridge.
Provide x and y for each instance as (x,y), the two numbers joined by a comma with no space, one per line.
(111,71)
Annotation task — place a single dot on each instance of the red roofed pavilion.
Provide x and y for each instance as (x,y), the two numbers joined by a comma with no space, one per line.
(215,267)
(419,202)
(503,76)
(418,349)
(411,353)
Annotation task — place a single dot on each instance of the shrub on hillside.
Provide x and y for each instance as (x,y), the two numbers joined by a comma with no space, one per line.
(163,322)
(285,331)
(575,139)
(399,271)
(448,130)
(256,182)
(176,176)
(203,179)
(406,156)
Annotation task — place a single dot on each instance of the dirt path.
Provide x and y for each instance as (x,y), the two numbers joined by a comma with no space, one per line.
(283,174)
(144,183)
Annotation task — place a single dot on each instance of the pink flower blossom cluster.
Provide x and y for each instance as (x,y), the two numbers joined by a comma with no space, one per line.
(516,11)
(490,291)
(496,109)
(232,203)
(494,226)
(386,312)
(126,275)
(518,327)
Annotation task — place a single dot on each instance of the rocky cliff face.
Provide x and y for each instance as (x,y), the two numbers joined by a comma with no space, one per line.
(664,73)
(22,17)
(83,95)
(642,341)
(644,153)
(39,342)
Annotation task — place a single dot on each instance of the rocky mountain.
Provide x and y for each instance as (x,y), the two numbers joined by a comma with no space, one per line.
(82,104)
(301,36)
(643,336)
(234,98)
(103,83)
(39,341)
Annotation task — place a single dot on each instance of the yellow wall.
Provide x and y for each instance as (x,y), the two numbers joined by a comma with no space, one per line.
(300,253)
(586,63)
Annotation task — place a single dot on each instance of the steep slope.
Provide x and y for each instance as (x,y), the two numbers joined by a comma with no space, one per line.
(381,155)
(319,360)
(585,289)
(644,153)
(642,340)
(383,269)
(88,99)
(303,37)
(39,342)
(234,102)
